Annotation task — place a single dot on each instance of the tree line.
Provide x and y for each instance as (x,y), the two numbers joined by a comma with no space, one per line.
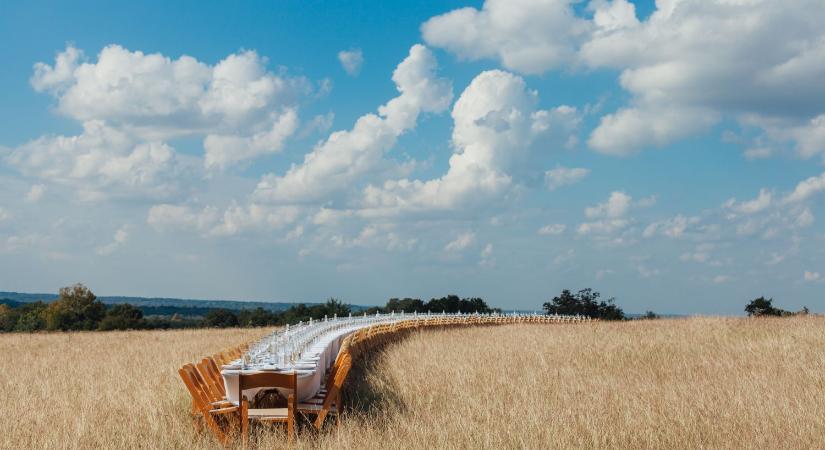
(77,308)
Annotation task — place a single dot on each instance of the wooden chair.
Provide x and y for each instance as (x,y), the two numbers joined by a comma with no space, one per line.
(211,375)
(208,411)
(268,415)
(331,404)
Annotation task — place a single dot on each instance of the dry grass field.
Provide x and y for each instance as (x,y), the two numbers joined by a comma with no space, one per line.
(693,383)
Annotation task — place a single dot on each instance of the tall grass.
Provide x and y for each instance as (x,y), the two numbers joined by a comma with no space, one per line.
(102,390)
(693,383)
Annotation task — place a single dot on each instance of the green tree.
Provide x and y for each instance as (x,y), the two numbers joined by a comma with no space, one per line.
(220,318)
(77,308)
(585,303)
(122,317)
(408,305)
(257,317)
(335,306)
(762,307)
(30,317)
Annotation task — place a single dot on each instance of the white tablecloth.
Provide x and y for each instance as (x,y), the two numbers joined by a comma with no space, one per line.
(322,354)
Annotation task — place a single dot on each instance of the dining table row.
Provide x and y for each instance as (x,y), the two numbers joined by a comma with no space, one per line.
(300,368)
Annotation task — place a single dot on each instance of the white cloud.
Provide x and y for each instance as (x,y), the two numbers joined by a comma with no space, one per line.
(607,218)
(810,137)
(631,130)
(673,227)
(460,243)
(760,203)
(806,189)
(235,103)
(684,79)
(35,193)
(380,236)
(496,122)
(347,156)
(4,215)
(120,238)
(553,229)
(351,60)
(563,176)
(101,162)
(529,36)
(59,77)
(209,221)
(812,276)
(223,151)
(616,206)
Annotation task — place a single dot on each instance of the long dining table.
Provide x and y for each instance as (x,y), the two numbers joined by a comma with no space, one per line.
(309,349)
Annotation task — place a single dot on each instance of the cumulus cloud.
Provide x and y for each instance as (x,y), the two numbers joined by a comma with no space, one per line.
(760,203)
(528,36)
(237,103)
(495,124)
(223,151)
(347,156)
(608,217)
(806,189)
(351,60)
(563,176)
(611,216)
(684,79)
(616,206)
(681,78)
(101,162)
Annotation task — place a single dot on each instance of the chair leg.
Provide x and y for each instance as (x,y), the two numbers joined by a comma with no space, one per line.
(244,423)
(290,419)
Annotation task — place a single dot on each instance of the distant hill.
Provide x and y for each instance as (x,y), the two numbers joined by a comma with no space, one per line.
(164,306)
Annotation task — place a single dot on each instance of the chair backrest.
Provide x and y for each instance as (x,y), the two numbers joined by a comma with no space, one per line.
(212,379)
(195,386)
(334,391)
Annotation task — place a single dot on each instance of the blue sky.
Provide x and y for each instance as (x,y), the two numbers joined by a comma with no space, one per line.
(669,154)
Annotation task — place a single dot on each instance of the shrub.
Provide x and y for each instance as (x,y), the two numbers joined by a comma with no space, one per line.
(763,307)
(122,317)
(585,303)
(220,318)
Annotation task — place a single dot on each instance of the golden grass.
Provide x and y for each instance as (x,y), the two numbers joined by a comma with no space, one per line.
(693,383)
(102,390)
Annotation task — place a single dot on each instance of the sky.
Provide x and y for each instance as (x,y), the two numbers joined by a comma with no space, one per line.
(670,154)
